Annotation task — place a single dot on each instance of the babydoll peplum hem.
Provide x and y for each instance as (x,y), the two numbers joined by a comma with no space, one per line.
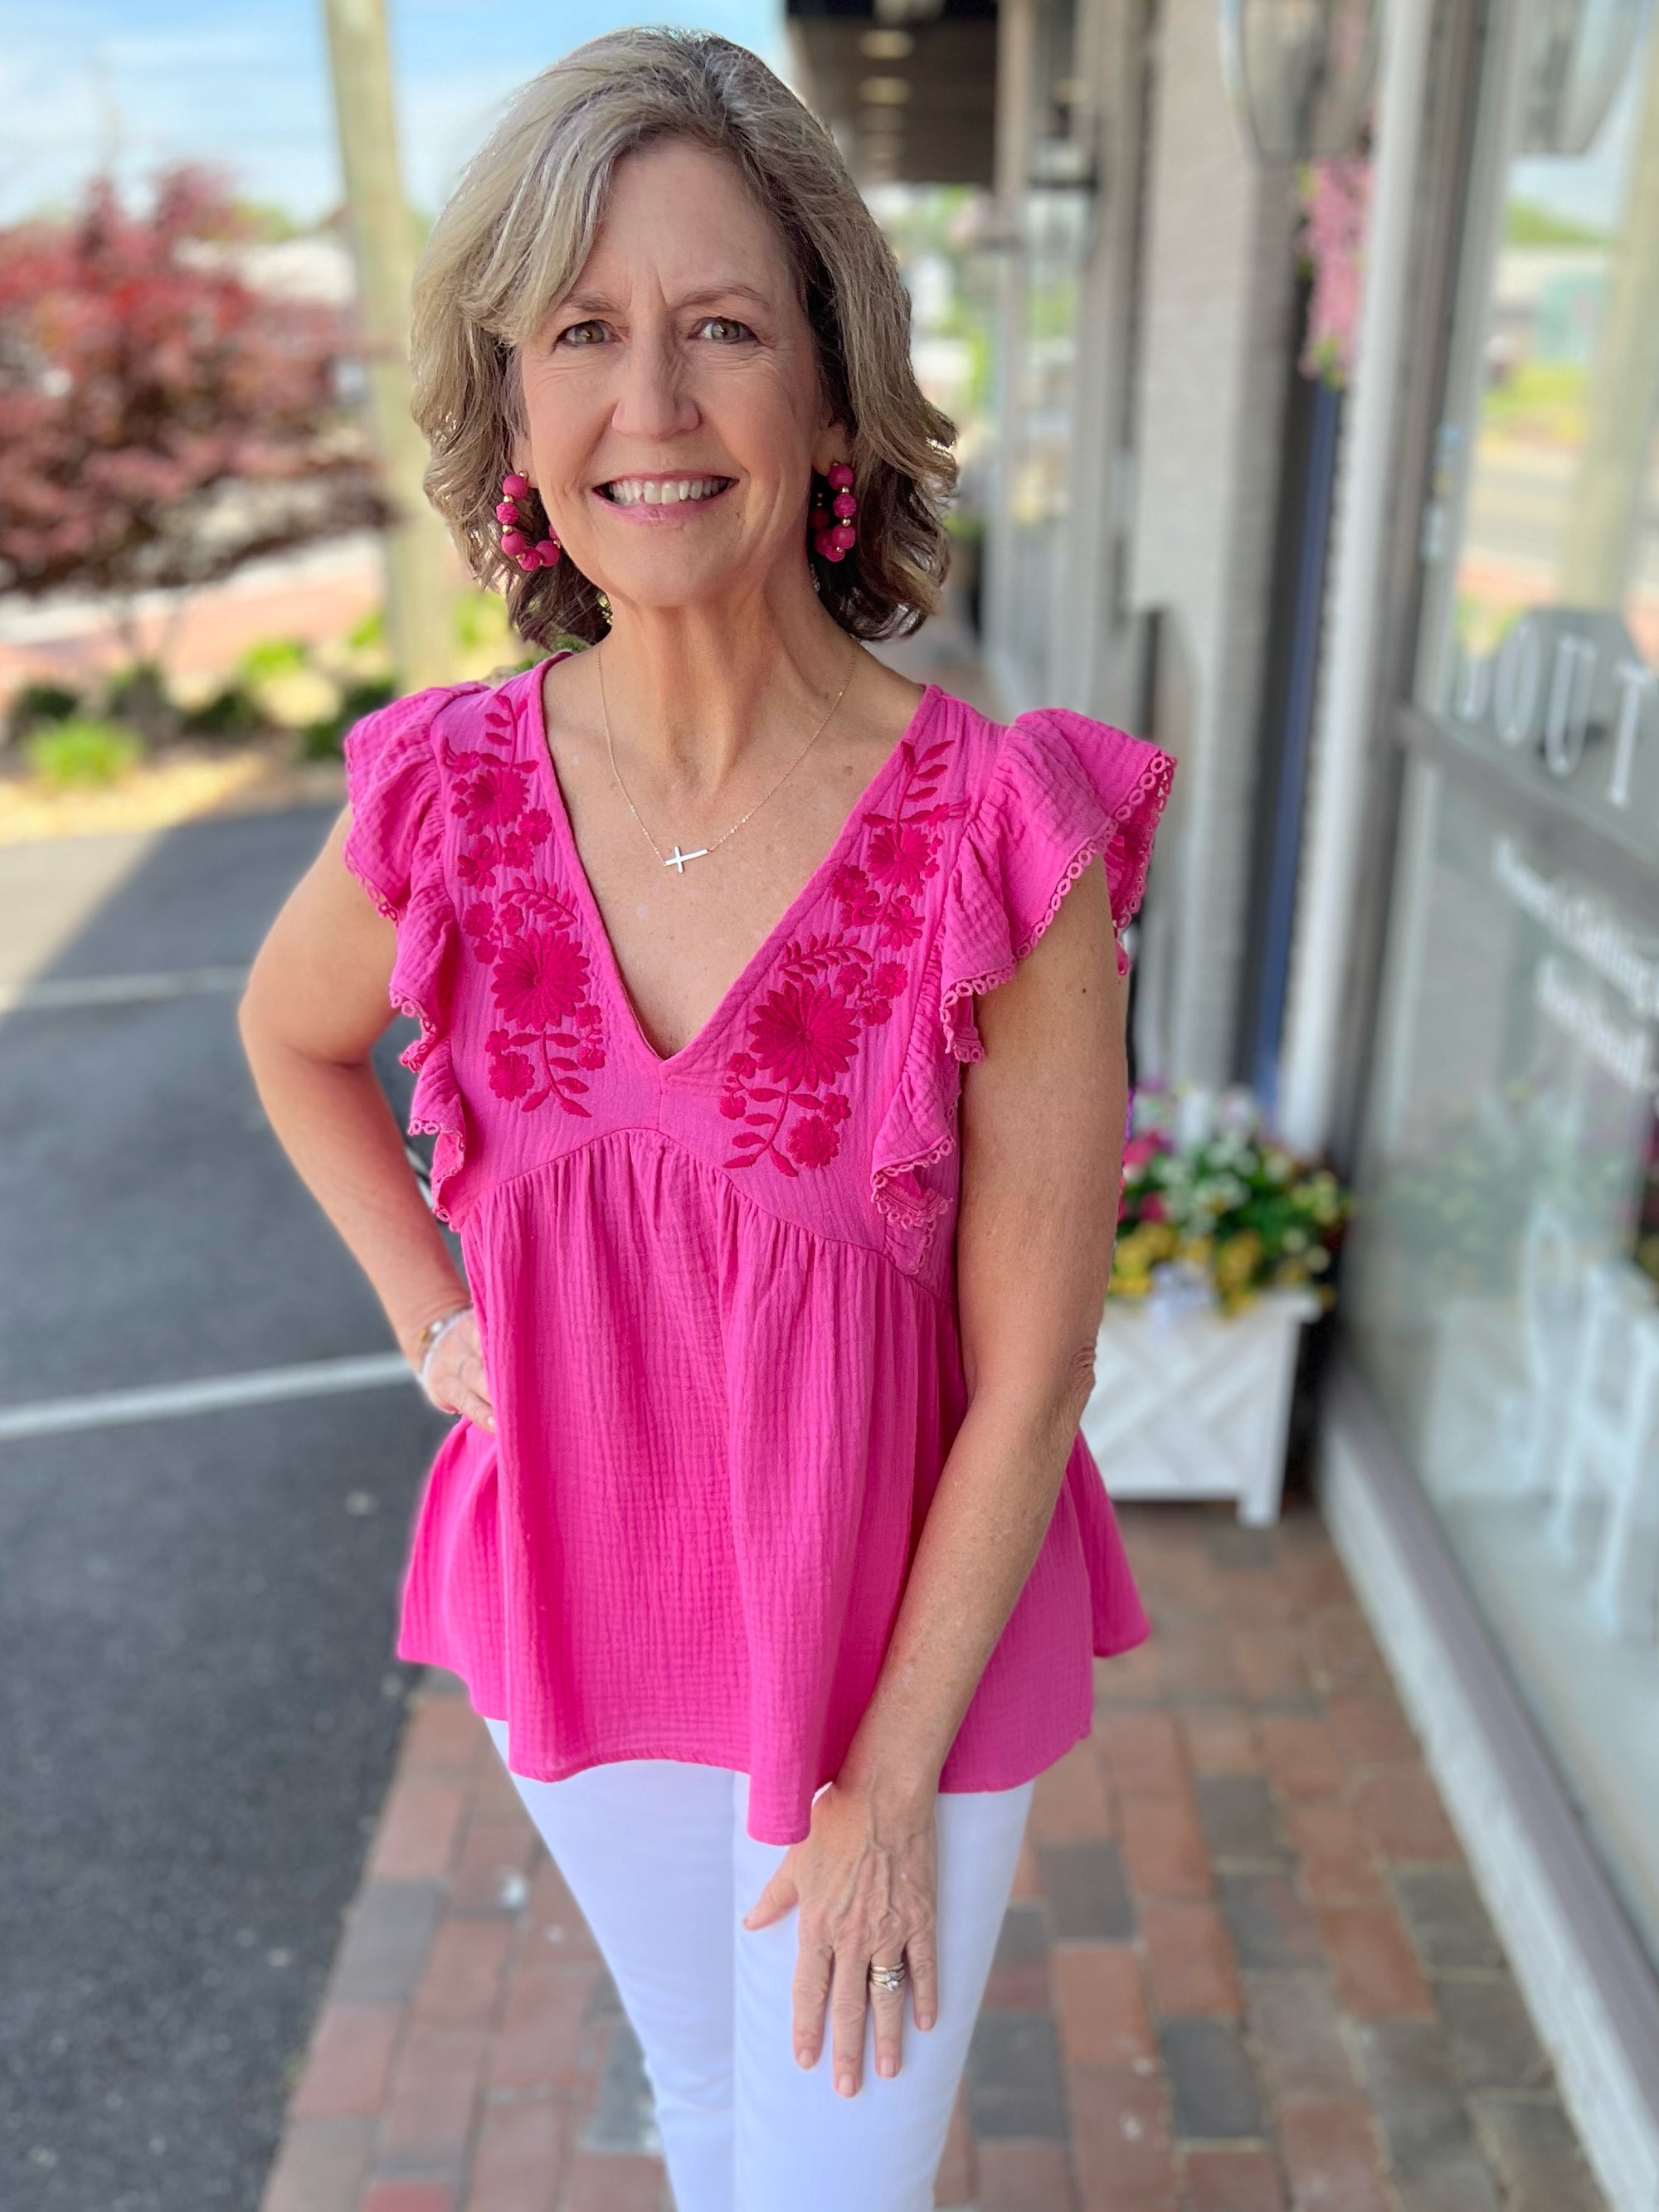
(763,1647)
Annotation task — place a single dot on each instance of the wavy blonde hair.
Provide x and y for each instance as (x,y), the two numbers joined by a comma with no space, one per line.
(519,225)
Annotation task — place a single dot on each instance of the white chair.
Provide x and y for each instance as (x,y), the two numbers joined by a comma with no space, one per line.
(1605,1510)
(1534,1419)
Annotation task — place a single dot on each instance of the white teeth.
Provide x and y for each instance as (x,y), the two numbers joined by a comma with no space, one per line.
(656,491)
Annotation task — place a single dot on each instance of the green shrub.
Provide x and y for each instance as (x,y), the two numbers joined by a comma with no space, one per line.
(138,694)
(232,712)
(38,704)
(81,752)
(273,656)
(480,620)
(321,741)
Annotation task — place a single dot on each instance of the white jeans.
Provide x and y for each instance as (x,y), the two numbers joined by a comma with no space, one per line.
(657,1854)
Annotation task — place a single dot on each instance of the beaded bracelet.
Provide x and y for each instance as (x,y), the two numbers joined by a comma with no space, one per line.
(429,1344)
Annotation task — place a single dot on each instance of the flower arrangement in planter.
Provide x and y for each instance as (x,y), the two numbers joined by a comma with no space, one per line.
(1225,1249)
(1207,1192)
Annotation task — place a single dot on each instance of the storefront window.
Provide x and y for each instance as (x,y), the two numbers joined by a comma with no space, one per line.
(1542,539)
(1501,1291)
(1497,1292)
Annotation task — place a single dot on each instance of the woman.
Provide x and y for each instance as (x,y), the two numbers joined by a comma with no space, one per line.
(765,1541)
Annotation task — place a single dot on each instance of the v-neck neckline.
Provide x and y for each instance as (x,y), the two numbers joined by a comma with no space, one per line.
(744,982)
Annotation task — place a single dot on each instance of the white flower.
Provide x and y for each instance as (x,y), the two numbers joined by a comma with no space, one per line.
(1236,1111)
(1195,1117)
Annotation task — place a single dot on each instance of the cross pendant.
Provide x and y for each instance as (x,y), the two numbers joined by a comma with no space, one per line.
(676,860)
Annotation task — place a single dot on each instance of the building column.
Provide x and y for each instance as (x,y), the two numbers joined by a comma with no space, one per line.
(1095,652)
(1218,286)
(1337,782)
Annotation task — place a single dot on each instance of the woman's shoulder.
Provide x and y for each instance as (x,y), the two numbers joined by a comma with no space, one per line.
(1038,775)
(1055,791)
(1041,743)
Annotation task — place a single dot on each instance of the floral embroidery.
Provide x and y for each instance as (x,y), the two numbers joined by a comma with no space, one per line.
(550,1026)
(803,1035)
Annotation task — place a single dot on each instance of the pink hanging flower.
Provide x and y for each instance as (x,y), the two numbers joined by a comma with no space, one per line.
(1336,206)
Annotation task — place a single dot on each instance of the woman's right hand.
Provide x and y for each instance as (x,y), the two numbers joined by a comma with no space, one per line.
(455,1379)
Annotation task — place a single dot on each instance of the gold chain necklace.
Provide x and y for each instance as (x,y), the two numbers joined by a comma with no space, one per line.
(676,860)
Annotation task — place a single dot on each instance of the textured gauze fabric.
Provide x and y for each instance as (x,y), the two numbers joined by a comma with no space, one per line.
(715,1291)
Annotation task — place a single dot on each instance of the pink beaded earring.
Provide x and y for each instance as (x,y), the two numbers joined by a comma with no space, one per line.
(516,541)
(833,534)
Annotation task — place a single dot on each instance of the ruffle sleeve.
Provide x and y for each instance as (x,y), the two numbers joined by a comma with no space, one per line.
(395,847)
(1064,791)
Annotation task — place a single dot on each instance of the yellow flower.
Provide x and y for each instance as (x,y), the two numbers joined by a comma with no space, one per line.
(1237,1262)
(1142,1247)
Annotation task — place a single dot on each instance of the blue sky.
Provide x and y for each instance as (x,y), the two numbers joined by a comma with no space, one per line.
(241,83)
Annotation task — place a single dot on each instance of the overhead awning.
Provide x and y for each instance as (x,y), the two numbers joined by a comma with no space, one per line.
(908,88)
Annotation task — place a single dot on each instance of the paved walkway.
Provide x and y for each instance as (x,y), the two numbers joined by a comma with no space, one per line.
(1244,1970)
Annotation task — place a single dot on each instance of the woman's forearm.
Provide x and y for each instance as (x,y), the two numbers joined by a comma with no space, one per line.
(333,1121)
(1043,1118)
(984,1529)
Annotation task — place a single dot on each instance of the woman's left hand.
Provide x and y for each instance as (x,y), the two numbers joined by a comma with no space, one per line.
(866,1880)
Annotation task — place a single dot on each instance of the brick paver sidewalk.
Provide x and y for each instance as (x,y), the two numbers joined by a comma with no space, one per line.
(1244,1969)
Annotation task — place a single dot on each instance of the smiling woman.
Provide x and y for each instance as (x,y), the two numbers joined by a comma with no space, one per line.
(784,1163)
(519,233)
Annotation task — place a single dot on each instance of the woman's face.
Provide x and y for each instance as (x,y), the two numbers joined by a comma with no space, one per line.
(679,357)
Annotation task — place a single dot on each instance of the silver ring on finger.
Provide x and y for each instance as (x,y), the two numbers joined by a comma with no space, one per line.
(889,1979)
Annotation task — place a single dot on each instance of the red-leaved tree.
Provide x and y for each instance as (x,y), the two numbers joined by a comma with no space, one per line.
(161,420)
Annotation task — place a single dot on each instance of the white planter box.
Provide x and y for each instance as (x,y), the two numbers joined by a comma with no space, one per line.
(1197,1406)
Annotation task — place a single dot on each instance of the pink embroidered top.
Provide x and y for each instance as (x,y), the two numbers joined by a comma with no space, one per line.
(715,1292)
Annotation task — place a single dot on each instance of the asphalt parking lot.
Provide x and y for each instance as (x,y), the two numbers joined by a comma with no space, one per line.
(198,1702)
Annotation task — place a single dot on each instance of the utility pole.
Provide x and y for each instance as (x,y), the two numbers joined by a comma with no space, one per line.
(421,570)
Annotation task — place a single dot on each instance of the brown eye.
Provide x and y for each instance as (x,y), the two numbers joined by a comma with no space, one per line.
(592,323)
(730,323)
